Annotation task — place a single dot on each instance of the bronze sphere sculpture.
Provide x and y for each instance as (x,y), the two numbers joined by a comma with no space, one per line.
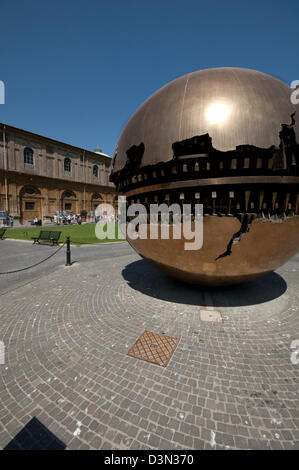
(225,138)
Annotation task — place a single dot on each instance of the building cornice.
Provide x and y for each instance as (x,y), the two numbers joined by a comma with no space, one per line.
(99,187)
(58,142)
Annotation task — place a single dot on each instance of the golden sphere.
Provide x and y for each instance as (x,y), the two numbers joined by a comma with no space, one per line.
(225,138)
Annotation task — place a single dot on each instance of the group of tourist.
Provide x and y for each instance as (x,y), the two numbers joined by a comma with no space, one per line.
(67,219)
(64,219)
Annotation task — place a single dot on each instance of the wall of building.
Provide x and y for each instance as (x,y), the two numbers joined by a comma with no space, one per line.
(41,188)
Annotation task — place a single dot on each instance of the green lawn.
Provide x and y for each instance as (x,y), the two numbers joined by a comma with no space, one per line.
(79,234)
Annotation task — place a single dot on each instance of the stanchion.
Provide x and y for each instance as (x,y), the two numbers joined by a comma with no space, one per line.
(68,252)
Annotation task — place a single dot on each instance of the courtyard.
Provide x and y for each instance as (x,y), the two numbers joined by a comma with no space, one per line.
(230,384)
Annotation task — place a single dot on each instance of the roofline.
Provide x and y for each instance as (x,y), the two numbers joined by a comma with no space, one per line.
(54,141)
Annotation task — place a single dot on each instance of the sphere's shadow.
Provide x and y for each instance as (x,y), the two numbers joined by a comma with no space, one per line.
(145,278)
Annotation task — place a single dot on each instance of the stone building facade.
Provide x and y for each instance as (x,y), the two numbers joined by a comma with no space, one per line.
(40,176)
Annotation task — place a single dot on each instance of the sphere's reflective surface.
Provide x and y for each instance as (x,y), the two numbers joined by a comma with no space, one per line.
(225,138)
(234,106)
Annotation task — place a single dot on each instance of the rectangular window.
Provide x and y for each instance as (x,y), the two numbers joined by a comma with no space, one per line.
(259,163)
(68,206)
(28,158)
(246,162)
(29,206)
(233,164)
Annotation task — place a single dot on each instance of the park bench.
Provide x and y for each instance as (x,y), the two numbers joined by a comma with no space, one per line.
(47,236)
(2,232)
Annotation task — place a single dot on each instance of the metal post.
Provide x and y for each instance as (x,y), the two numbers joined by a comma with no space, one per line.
(68,252)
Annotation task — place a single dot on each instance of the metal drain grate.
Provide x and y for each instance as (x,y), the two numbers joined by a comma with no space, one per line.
(153,347)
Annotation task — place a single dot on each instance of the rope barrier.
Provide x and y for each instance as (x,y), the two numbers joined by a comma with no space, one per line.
(36,264)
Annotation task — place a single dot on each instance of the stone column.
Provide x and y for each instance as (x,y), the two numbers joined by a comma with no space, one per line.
(77,165)
(43,166)
(45,205)
(11,155)
(13,206)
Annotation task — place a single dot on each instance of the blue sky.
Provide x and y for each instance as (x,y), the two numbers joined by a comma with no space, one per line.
(77,70)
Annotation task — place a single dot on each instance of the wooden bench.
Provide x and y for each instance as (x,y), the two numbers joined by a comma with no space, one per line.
(2,232)
(47,236)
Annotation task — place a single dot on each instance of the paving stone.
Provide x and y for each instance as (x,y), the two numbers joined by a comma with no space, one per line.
(67,336)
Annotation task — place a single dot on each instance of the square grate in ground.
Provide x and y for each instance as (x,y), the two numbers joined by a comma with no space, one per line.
(154,347)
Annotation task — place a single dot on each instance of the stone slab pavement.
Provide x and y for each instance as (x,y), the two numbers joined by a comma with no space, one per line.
(67,330)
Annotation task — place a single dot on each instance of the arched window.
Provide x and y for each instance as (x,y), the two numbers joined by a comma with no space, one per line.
(29,190)
(67,164)
(95,170)
(68,194)
(28,155)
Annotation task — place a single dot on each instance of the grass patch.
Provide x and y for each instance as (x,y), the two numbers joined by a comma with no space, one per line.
(79,234)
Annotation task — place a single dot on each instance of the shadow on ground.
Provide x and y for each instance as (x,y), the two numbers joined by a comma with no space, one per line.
(35,436)
(145,278)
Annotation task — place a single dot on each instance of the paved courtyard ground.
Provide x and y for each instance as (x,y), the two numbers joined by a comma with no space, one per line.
(67,330)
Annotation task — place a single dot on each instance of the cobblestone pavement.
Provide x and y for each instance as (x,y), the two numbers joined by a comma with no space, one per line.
(67,331)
